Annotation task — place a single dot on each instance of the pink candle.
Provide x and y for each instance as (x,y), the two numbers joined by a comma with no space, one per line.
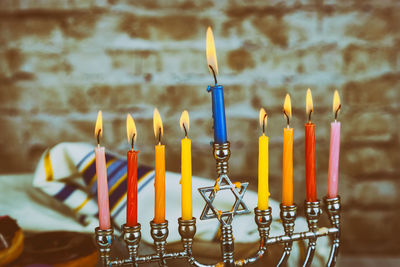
(101,173)
(102,188)
(333,173)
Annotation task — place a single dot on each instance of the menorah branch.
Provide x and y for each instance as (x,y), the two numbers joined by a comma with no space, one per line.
(159,233)
(333,208)
(288,217)
(104,242)
(132,238)
(313,212)
(263,220)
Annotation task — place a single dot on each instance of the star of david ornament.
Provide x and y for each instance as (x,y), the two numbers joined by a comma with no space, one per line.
(209,193)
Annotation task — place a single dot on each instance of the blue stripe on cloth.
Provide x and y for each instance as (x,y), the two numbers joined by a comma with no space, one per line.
(65,192)
(116,172)
(91,170)
(112,177)
(83,159)
(113,168)
(117,194)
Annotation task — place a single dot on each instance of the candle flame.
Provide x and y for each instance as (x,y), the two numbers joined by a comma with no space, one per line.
(98,130)
(309,104)
(157,125)
(131,129)
(210,51)
(263,119)
(287,106)
(336,103)
(184,122)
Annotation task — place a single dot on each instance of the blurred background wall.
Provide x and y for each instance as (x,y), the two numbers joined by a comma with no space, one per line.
(62,61)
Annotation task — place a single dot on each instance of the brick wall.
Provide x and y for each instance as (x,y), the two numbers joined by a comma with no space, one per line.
(61,61)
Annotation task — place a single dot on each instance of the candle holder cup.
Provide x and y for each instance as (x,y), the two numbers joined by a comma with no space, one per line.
(263,219)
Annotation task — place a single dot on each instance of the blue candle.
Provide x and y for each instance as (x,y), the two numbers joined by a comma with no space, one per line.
(218,107)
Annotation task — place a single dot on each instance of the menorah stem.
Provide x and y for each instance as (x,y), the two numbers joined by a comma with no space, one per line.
(333,209)
(288,216)
(159,233)
(187,230)
(104,242)
(313,212)
(132,238)
(227,245)
(222,154)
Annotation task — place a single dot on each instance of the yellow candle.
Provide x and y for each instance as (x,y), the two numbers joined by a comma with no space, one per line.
(287,169)
(186,169)
(159,180)
(263,190)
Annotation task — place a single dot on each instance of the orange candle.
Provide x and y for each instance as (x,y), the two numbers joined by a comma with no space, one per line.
(287,164)
(159,180)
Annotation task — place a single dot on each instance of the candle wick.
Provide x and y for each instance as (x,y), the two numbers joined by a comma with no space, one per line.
(98,138)
(337,111)
(287,118)
(184,128)
(159,136)
(263,129)
(309,116)
(215,77)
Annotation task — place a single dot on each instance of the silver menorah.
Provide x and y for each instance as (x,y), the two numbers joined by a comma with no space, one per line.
(263,219)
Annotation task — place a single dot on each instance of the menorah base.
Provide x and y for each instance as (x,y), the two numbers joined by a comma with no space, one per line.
(263,219)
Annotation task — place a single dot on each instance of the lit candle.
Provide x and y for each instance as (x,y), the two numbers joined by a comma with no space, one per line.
(101,173)
(217,92)
(311,192)
(186,169)
(159,180)
(287,166)
(132,155)
(263,190)
(333,173)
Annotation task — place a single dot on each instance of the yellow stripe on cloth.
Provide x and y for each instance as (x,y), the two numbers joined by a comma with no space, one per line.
(47,167)
(144,176)
(95,176)
(119,200)
(87,165)
(82,205)
(120,180)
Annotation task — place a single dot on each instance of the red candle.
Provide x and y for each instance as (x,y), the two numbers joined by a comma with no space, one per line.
(131,205)
(131,209)
(311,192)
